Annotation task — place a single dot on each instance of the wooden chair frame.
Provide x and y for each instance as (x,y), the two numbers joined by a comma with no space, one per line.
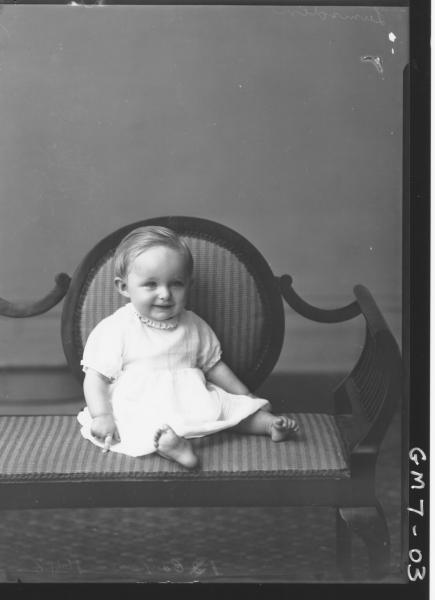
(367,398)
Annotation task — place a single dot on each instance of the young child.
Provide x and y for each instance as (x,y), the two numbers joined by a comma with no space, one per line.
(153,371)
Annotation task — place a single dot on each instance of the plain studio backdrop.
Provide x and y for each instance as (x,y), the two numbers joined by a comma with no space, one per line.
(284,123)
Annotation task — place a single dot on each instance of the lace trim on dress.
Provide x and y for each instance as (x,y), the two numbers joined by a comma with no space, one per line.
(168,324)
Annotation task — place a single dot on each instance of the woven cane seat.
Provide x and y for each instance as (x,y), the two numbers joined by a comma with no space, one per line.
(51,447)
(234,291)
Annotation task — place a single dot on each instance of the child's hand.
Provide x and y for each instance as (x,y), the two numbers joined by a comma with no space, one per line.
(104,428)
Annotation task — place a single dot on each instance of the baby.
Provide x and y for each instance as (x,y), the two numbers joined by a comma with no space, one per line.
(153,371)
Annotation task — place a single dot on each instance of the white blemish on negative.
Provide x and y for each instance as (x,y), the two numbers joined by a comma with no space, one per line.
(392,37)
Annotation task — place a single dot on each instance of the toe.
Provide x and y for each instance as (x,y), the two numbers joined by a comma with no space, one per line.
(157,436)
(293,425)
(280,423)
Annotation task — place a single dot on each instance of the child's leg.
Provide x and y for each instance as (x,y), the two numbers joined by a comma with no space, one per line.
(262,422)
(169,445)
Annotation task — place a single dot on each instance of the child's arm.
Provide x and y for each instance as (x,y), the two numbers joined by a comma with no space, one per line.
(221,375)
(96,390)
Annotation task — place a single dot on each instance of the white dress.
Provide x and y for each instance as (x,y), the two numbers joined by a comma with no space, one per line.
(158,378)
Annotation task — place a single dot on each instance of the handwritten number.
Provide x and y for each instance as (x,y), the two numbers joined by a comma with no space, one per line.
(419,574)
(419,512)
(198,567)
(418,479)
(178,567)
(213,566)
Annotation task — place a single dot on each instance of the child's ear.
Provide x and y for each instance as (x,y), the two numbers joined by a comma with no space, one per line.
(121,287)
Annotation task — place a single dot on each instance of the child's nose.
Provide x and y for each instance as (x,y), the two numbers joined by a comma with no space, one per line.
(164,292)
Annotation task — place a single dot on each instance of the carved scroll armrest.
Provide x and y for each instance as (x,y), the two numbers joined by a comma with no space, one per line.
(320,315)
(30,309)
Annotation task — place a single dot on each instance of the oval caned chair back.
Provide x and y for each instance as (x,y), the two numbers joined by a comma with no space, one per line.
(234,290)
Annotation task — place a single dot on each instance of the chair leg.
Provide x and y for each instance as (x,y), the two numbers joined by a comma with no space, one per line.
(369,523)
(344,546)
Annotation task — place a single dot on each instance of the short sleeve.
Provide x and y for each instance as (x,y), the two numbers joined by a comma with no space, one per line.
(209,352)
(104,349)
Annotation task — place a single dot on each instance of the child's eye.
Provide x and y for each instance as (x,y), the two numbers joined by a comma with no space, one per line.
(150,284)
(178,283)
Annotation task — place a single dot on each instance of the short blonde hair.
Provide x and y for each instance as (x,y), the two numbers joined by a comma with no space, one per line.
(142,238)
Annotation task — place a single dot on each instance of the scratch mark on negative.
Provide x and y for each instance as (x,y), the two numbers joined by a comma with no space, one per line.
(5,30)
(376,61)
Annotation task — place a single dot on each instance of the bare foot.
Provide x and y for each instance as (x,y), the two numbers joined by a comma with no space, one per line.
(282,428)
(169,445)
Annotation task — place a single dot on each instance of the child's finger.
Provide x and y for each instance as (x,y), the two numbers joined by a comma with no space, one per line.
(107,442)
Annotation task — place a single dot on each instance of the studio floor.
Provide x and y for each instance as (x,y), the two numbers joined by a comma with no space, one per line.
(194,544)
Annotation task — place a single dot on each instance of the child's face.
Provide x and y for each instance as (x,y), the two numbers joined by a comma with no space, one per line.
(157,283)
